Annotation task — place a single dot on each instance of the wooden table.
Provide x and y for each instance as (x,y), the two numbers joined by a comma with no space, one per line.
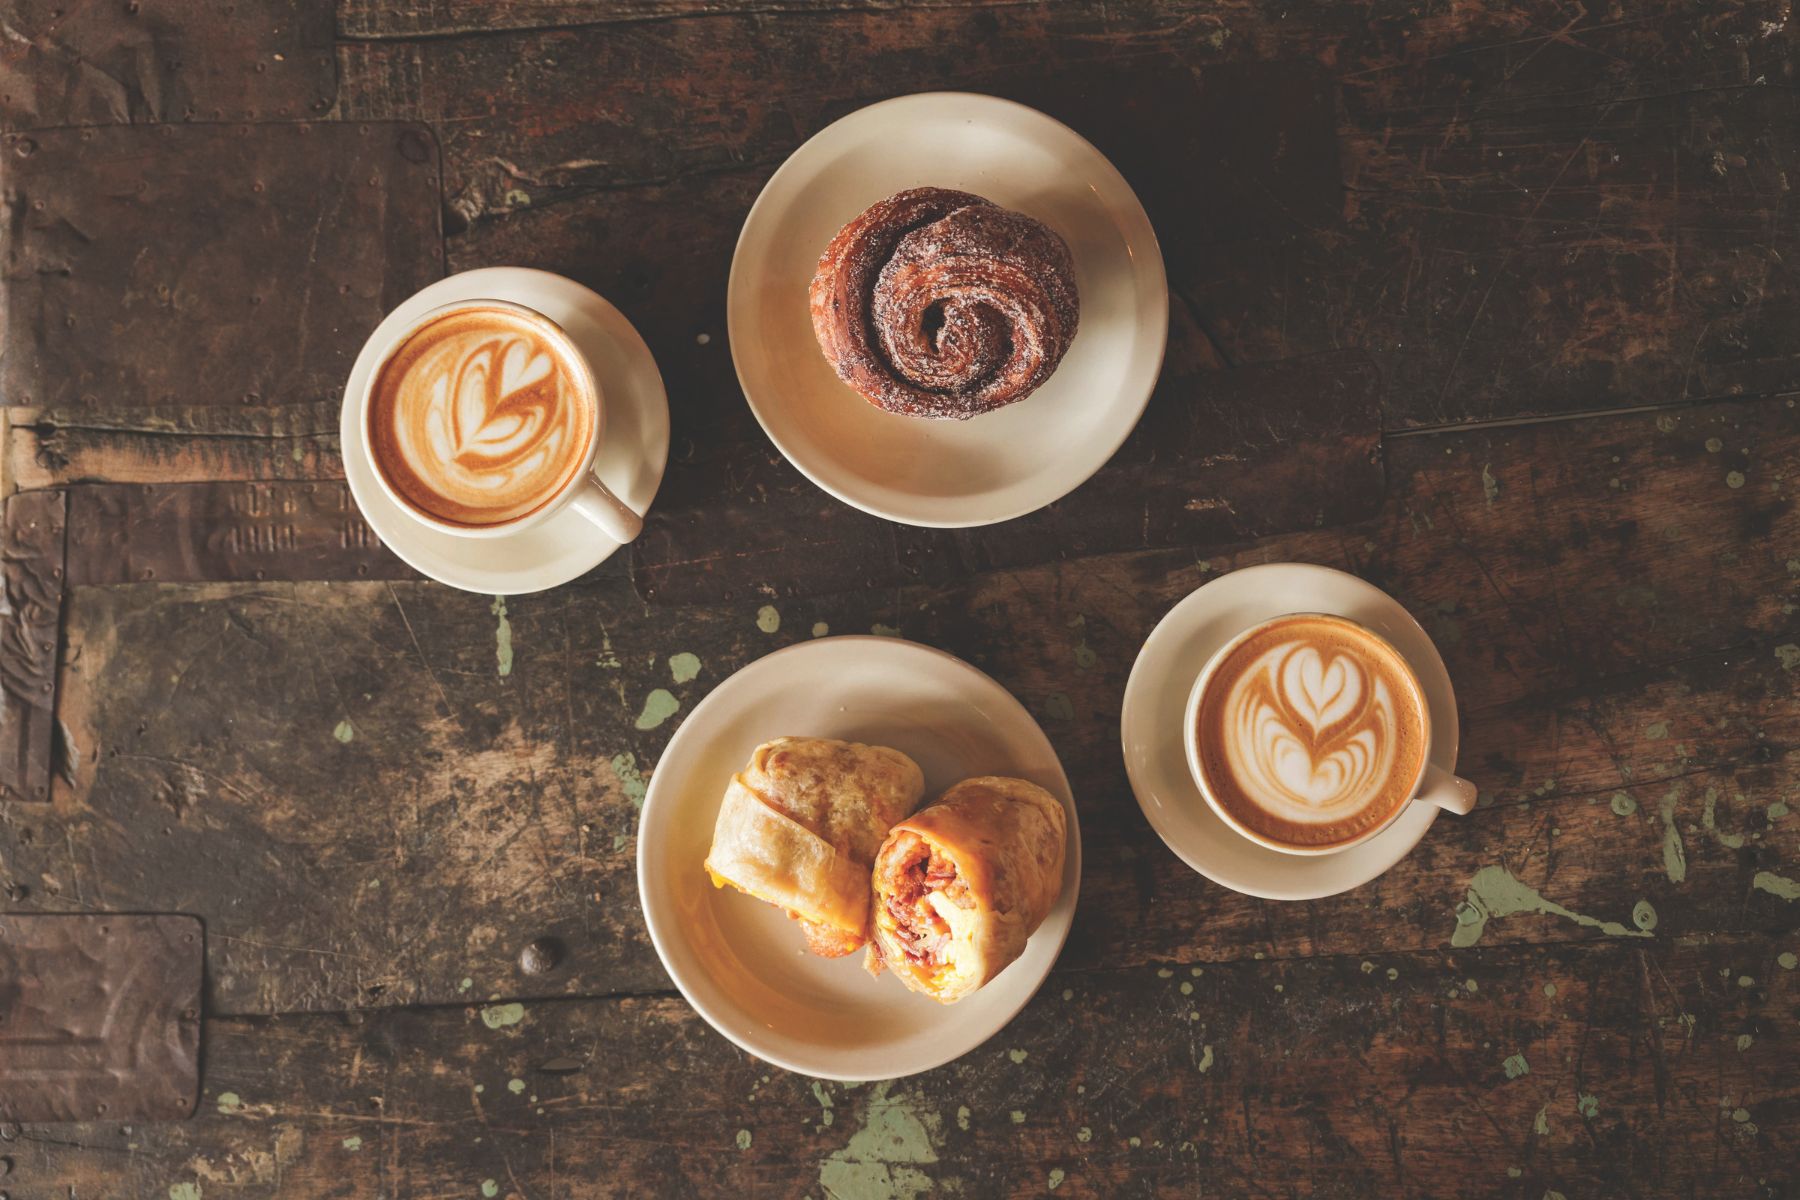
(1493,304)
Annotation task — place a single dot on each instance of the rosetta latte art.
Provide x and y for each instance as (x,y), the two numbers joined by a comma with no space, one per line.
(1310,733)
(478,418)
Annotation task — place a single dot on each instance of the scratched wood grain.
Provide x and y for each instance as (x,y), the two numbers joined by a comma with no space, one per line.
(1614,597)
(1538,211)
(1666,1067)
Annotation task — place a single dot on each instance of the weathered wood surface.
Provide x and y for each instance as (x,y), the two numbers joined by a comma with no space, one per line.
(1540,209)
(1663,1068)
(220,264)
(32,569)
(282,760)
(72,63)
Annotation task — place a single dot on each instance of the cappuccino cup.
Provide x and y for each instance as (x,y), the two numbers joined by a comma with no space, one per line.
(484,419)
(1310,733)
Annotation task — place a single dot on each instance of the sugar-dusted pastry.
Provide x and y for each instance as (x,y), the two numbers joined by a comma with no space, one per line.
(935,303)
(962,884)
(800,826)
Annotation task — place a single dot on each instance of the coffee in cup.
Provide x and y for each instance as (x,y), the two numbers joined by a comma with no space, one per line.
(1310,733)
(484,418)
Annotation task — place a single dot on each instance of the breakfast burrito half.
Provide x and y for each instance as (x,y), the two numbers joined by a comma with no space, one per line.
(961,885)
(799,828)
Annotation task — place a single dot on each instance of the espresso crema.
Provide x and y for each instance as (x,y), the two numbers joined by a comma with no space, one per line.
(481,416)
(1311,732)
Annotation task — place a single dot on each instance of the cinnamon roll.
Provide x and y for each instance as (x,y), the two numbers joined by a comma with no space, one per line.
(937,303)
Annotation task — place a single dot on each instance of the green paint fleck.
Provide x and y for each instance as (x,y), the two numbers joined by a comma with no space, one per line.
(1643,915)
(1714,445)
(1745,981)
(962,1117)
(464,984)
(1740,1115)
(1206,1060)
(684,667)
(743,1139)
(1588,1106)
(1471,985)
(1656,730)
(1743,1042)
(1515,1066)
(499,1016)
(659,706)
(824,1099)
(1734,479)
(1084,1135)
(1623,804)
(1368,968)
(1788,655)
(1709,822)
(1085,658)
(1674,851)
(1018,1056)
(880,630)
(768,619)
(515,1086)
(489,1188)
(503,652)
(1776,885)
(353,1143)
(1490,487)
(631,781)
(1134,1142)
(1777,810)
(1494,892)
(820,629)
(1393,973)
(1540,1124)
(184,1191)
(1553,1194)
(1513,1172)
(1549,989)
(230,1103)
(1164,973)
(1017,1117)
(1788,961)
(1667,422)
(1058,707)
(1056,1178)
(882,1159)
(1187,989)
(345,731)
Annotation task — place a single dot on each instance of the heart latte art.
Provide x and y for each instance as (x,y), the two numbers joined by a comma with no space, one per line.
(481,416)
(1311,731)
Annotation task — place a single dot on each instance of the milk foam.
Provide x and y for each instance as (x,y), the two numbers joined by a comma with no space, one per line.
(1305,737)
(476,418)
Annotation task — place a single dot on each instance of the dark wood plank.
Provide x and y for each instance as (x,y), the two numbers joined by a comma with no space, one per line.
(1539,212)
(66,63)
(280,759)
(196,532)
(1219,456)
(32,558)
(1662,1068)
(193,265)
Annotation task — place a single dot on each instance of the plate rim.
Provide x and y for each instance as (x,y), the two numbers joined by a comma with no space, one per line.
(734,303)
(1141,666)
(1070,896)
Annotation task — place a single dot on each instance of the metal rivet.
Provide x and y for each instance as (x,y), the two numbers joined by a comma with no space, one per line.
(541,956)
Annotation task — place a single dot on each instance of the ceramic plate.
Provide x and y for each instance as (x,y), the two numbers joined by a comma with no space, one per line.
(1002,464)
(632,455)
(1151,727)
(738,960)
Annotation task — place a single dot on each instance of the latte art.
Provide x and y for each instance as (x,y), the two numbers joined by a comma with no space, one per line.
(1311,731)
(480,417)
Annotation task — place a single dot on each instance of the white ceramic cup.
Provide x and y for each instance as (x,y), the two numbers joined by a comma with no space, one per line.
(1432,784)
(583,492)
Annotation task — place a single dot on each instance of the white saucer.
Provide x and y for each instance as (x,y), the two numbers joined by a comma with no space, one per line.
(738,960)
(632,455)
(1150,727)
(1002,464)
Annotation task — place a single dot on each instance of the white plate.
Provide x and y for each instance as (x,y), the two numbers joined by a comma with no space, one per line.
(738,960)
(632,456)
(999,465)
(1151,727)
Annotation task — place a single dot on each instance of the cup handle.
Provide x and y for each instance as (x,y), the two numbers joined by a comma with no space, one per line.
(615,519)
(1449,792)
